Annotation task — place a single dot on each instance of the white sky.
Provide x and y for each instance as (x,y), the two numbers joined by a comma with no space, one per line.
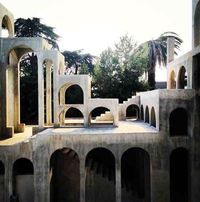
(93,25)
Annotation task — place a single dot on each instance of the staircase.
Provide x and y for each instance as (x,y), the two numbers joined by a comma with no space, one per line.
(107,116)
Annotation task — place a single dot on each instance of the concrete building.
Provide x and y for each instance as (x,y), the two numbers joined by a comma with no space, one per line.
(146,149)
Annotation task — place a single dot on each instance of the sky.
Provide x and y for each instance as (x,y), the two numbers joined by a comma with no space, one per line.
(94,25)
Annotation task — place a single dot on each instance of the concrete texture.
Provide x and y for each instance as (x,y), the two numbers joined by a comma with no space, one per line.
(85,161)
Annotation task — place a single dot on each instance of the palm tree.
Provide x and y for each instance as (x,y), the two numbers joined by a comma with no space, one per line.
(157,53)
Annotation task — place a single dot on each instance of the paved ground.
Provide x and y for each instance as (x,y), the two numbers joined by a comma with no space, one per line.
(126,127)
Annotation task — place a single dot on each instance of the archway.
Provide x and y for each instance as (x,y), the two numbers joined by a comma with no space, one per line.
(132,112)
(74,95)
(2,182)
(7,28)
(178,122)
(100,176)
(182,78)
(23,178)
(28,67)
(142,113)
(153,117)
(197,25)
(179,175)
(101,116)
(65,176)
(147,114)
(74,116)
(135,175)
(172,80)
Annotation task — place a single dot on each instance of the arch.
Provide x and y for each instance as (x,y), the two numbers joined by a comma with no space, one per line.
(135,175)
(101,115)
(28,70)
(147,114)
(23,187)
(179,175)
(197,25)
(182,78)
(100,175)
(7,27)
(74,116)
(2,181)
(172,80)
(153,117)
(178,122)
(142,112)
(74,95)
(65,176)
(132,112)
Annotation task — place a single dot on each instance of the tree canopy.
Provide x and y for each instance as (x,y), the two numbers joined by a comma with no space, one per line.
(118,72)
(32,27)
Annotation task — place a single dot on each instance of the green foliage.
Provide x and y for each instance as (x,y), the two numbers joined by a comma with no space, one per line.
(78,63)
(34,28)
(118,72)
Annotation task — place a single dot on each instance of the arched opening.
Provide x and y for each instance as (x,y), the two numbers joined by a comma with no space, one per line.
(48,90)
(74,116)
(64,176)
(179,175)
(142,113)
(7,29)
(147,114)
(23,187)
(182,78)
(132,112)
(153,117)
(100,176)
(172,80)
(74,95)
(101,116)
(197,25)
(2,181)
(178,122)
(28,65)
(135,175)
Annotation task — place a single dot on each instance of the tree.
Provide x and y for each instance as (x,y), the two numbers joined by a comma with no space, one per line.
(78,62)
(118,72)
(34,28)
(28,66)
(157,53)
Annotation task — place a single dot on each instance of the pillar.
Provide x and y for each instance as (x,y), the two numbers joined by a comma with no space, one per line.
(82,179)
(118,179)
(170,49)
(48,93)
(40,92)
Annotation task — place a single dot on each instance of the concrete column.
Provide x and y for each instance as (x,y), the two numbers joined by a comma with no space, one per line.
(18,127)
(55,94)
(40,92)
(41,177)
(170,49)
(8,181)
(118,180)
(160,185)
(82,179)
(48,93)
(62,96)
